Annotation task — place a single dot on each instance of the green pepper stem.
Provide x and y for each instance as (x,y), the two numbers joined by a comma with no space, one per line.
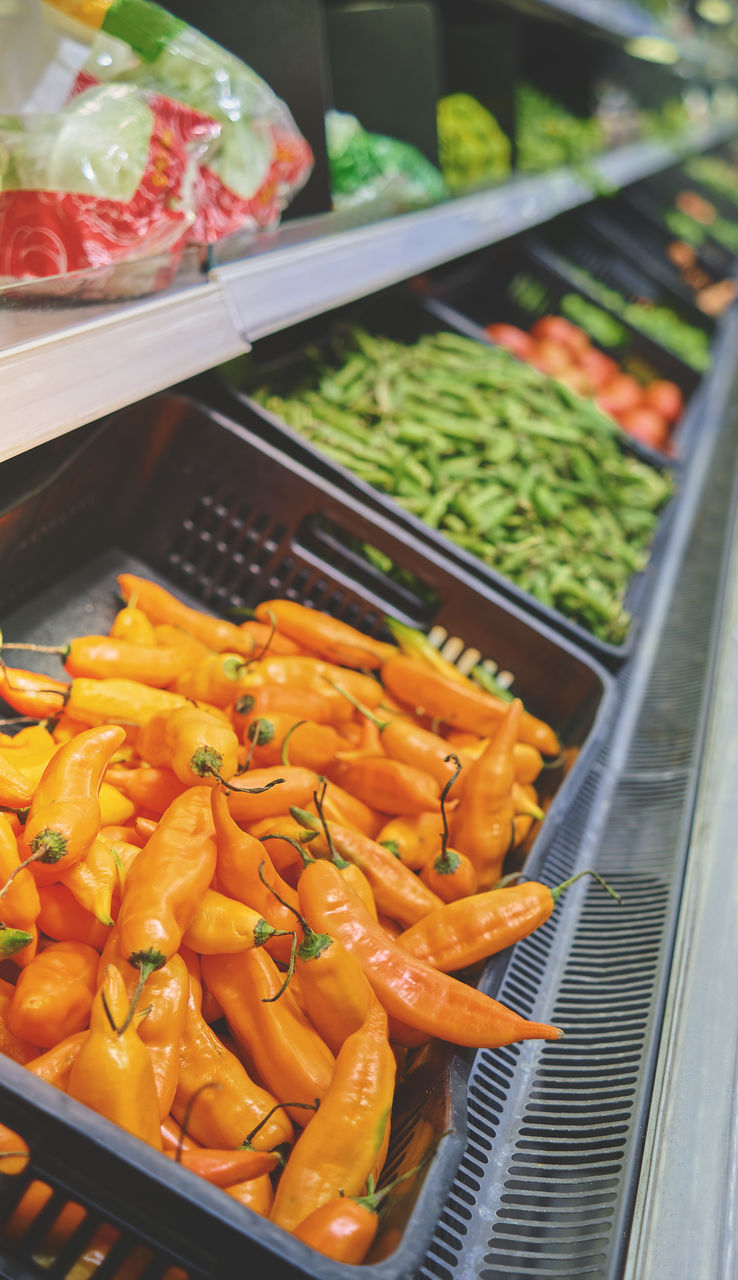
(278,1106)
(369,715)
(557,891)
(306,859)
(285,743)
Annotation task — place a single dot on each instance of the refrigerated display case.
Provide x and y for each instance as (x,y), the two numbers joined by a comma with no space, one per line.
(609,1154)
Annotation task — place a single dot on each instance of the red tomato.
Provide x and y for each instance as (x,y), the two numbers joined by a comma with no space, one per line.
(550,357)
(665,398)
(557,329)
(600,369)
(517,341)
(620,395)
(578,380)
(647,426)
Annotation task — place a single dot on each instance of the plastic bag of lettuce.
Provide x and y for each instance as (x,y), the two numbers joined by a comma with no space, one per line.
(369,166)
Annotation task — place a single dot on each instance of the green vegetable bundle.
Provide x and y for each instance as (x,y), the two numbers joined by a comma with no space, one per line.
(548,136)
(472,148)
(685,340)
(507,463)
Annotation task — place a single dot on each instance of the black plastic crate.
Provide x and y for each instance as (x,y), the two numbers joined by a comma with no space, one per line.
(225,520)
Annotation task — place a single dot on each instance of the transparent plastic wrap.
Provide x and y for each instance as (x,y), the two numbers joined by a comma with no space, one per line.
(257,160)
(107,179)
(369,166)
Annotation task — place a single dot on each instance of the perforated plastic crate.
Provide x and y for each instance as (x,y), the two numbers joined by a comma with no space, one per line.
(182,494)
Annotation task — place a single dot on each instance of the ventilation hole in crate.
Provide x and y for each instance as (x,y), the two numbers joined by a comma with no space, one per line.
(369,567)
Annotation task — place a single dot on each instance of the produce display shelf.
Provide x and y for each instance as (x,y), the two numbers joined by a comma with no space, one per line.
(622,20)
(65,365)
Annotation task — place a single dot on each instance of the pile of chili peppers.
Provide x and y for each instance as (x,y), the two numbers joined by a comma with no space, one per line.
(239,869)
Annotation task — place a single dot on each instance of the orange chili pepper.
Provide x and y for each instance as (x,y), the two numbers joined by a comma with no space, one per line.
(390,786)
(65,814)
(226,1113)
(133,624)
(61,917)
(224,1167)
(263,636)
(237,867)
(149,787)
(482,824)
(93,880)
(161,606)
(161,1030)
(28,1209)
(256,1194)
(15,1152)
(459,703)
(465,932)
(319,633)
(118,701)
(336,994)
(213,678)
(343,1229)
(112,1073)
(166,882)
(54,1065)
(410,990)
(403,739)
(199,746)
(101,657)
(324,706)
(32,694)
(311,745)
(31,751)
(116,834)
(224,925)
(289,1055)
(451,875)
(11,1045)
(397,892)
(415,840)
(54,993)
(340,1144)
(16,791)
(267,793)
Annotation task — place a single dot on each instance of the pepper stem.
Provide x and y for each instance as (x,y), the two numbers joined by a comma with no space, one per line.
(61,649)
(270,637)
(312,943)
(285,743)
(246,1145)
(208,1084)
(442,863)
(306,859)
(40,854)
(249,791)
(369,715)
(146,962)
(557,891)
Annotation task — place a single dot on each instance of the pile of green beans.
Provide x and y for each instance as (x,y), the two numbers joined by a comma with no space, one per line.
(507,463)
